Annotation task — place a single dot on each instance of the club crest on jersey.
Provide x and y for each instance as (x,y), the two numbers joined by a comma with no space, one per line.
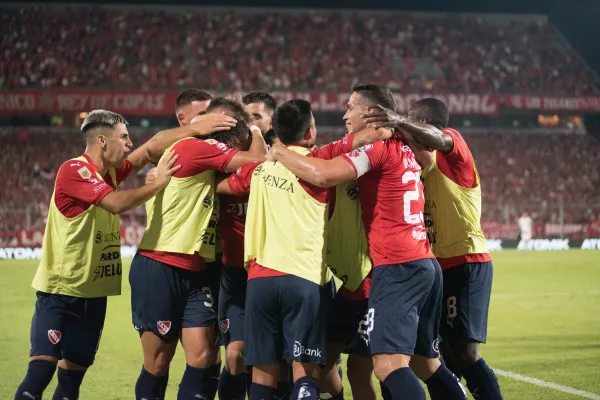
(54,336)
(84,172)
(163,327)
(224,325)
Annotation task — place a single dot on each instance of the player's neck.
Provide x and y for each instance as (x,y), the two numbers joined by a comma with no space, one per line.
(95,155)
(303,143)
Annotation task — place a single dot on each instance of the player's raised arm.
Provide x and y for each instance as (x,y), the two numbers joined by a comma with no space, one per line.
(429,134)
(202,126)
(117,202)
(319,172)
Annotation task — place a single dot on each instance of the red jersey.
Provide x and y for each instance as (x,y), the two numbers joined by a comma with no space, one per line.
(239,183)
(232,220)
(195,156)
(392,201)
(74,194)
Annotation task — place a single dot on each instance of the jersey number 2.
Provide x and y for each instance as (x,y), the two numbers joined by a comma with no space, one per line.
(412,195)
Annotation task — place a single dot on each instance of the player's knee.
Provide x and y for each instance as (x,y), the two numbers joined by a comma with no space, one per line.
(467,354)
(158,365)
(359,370)
(301,370)
(424,367)
(235,358)
(385,364)
(201,357)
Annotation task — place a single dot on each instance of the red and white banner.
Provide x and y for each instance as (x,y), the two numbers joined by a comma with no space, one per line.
(32,102)
(552,103)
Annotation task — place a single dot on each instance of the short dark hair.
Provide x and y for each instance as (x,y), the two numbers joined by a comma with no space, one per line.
(102,119)
(260,97)
(270,137)
(291,120)
(231,104)
(189,95)
(433,111)
(376,94)
(237,137)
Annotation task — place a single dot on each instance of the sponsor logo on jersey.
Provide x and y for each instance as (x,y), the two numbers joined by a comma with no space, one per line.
(163,327)
(299,350)
(54,336)
(224,325)
(84,172)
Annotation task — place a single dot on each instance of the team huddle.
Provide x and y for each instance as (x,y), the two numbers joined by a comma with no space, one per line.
(286,254)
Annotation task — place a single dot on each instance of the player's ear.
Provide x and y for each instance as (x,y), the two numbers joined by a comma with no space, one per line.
(181,118)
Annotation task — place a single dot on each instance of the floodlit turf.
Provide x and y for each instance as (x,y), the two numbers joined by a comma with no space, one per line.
(544,323)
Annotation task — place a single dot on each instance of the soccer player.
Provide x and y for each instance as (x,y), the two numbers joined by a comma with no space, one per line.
(81,259)
(286,300)
(170,293)
(191,103)
(526,228)
(405,298)
(453,213)
(261,106)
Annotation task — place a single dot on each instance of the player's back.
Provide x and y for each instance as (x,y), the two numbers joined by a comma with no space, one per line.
(286,222)
(392,201)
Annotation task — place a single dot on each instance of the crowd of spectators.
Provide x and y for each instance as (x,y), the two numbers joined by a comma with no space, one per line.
(151,49)
(554,177)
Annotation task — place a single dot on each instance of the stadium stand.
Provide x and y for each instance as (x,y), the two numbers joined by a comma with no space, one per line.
(143,49)
(532,172)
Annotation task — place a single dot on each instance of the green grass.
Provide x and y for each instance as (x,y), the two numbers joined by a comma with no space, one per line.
(544,323)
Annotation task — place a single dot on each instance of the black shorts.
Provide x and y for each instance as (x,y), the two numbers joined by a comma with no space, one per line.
(285,320)
(346,325)
(466,302)
(232,304)
(165,299)
(213,274)
(405,307)
(67,327)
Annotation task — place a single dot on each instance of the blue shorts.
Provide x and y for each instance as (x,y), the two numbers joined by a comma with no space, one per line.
(232,304)
(285,320)
(405,307)
(67,327)
(165,299)
(466,302)
(213,274)
(346,319)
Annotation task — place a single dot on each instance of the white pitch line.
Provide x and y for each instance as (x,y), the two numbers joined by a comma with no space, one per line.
(548,294)
(539,382)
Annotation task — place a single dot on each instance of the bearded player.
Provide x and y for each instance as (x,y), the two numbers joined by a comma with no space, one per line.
(405,299)
(453,213)
(81,259)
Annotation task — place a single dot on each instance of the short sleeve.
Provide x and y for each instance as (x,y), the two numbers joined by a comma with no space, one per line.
(78,182)
(239,182)
(458,165)
(365,158)
(334,149)
(123,172)
(197,156)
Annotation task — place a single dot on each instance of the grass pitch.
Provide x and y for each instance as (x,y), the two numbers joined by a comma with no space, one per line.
(544,323)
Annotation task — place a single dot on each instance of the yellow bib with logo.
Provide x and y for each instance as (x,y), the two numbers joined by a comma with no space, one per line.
(285,226)
(452,214)
(347,246)
(81,256)
(179,216)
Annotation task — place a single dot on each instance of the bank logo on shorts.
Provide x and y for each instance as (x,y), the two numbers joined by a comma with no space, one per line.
(163,327)
(299,350)
(365,326)
(54,336)
(224,325)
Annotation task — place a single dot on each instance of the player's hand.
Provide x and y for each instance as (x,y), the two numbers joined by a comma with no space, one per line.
(204,125)
(150,176)
(276,151)
(383,118)
(165,169)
